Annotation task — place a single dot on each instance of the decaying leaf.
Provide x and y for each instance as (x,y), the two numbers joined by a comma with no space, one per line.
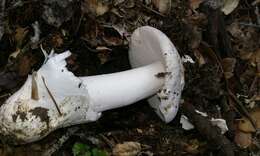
(103,54)
(56,12)
(20,34)
(194,4)
(186,123)
(228,65)
(229,6)
(127,149)
(243,139)
(95,7)
(163,6)
(57,40)
(192,147)
(246,126)
(200,58)
(255,58)
(24,64)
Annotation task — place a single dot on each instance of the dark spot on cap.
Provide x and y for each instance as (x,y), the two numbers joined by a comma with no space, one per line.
(42,113)
(79,85)
(162,74)
(21,114)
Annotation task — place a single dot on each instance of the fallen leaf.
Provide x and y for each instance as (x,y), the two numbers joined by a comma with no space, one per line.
(57,40)
(194,4)
(186,125)
(221,124)
(243,139)
(127,149)
(192,147)
(199,57)
(246,126)
(244,55)
(24,64)
(229,6)
(14,54)
(95,7)
(103,54)
(20,34)
(163,6)
(255,58)
(228,65)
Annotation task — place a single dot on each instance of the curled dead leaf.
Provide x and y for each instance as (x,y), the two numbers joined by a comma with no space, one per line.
(127,149)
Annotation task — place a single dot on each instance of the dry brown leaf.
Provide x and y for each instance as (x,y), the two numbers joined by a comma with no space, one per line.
(199,57)
(163,6)
(96,7)
(57,40)
(127,149)
(192,147)
(194,4)
(103,54)
(243,139)
(20,34)
(255,58)
(246,126)
(244,55)
(228,65)
(229,6)
(112,41)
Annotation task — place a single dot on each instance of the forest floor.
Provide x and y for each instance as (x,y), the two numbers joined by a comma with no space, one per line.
(223,81)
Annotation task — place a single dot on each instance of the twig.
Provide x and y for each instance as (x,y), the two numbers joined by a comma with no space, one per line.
(150,9)
(242,108)
(5,95)
(249,25)
(110,144)
(79,23)
(239,105)
(257,15)
(253,85)
(204,126)
(49,92)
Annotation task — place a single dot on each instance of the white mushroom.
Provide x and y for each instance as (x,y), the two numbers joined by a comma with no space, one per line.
(53,97)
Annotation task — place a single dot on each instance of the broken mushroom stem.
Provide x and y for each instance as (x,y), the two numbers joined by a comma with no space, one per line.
(120,89)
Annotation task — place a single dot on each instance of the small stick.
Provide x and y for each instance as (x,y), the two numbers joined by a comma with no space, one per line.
(49,92)
(5,95)
(34,94)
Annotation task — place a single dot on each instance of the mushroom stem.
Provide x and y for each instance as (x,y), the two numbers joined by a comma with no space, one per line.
(116,90)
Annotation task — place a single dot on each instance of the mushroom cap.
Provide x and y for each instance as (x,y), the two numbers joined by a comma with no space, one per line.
(25,119)
(147,46)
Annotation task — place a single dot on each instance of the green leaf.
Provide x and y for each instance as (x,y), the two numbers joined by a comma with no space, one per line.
(79,149)
(98,152)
